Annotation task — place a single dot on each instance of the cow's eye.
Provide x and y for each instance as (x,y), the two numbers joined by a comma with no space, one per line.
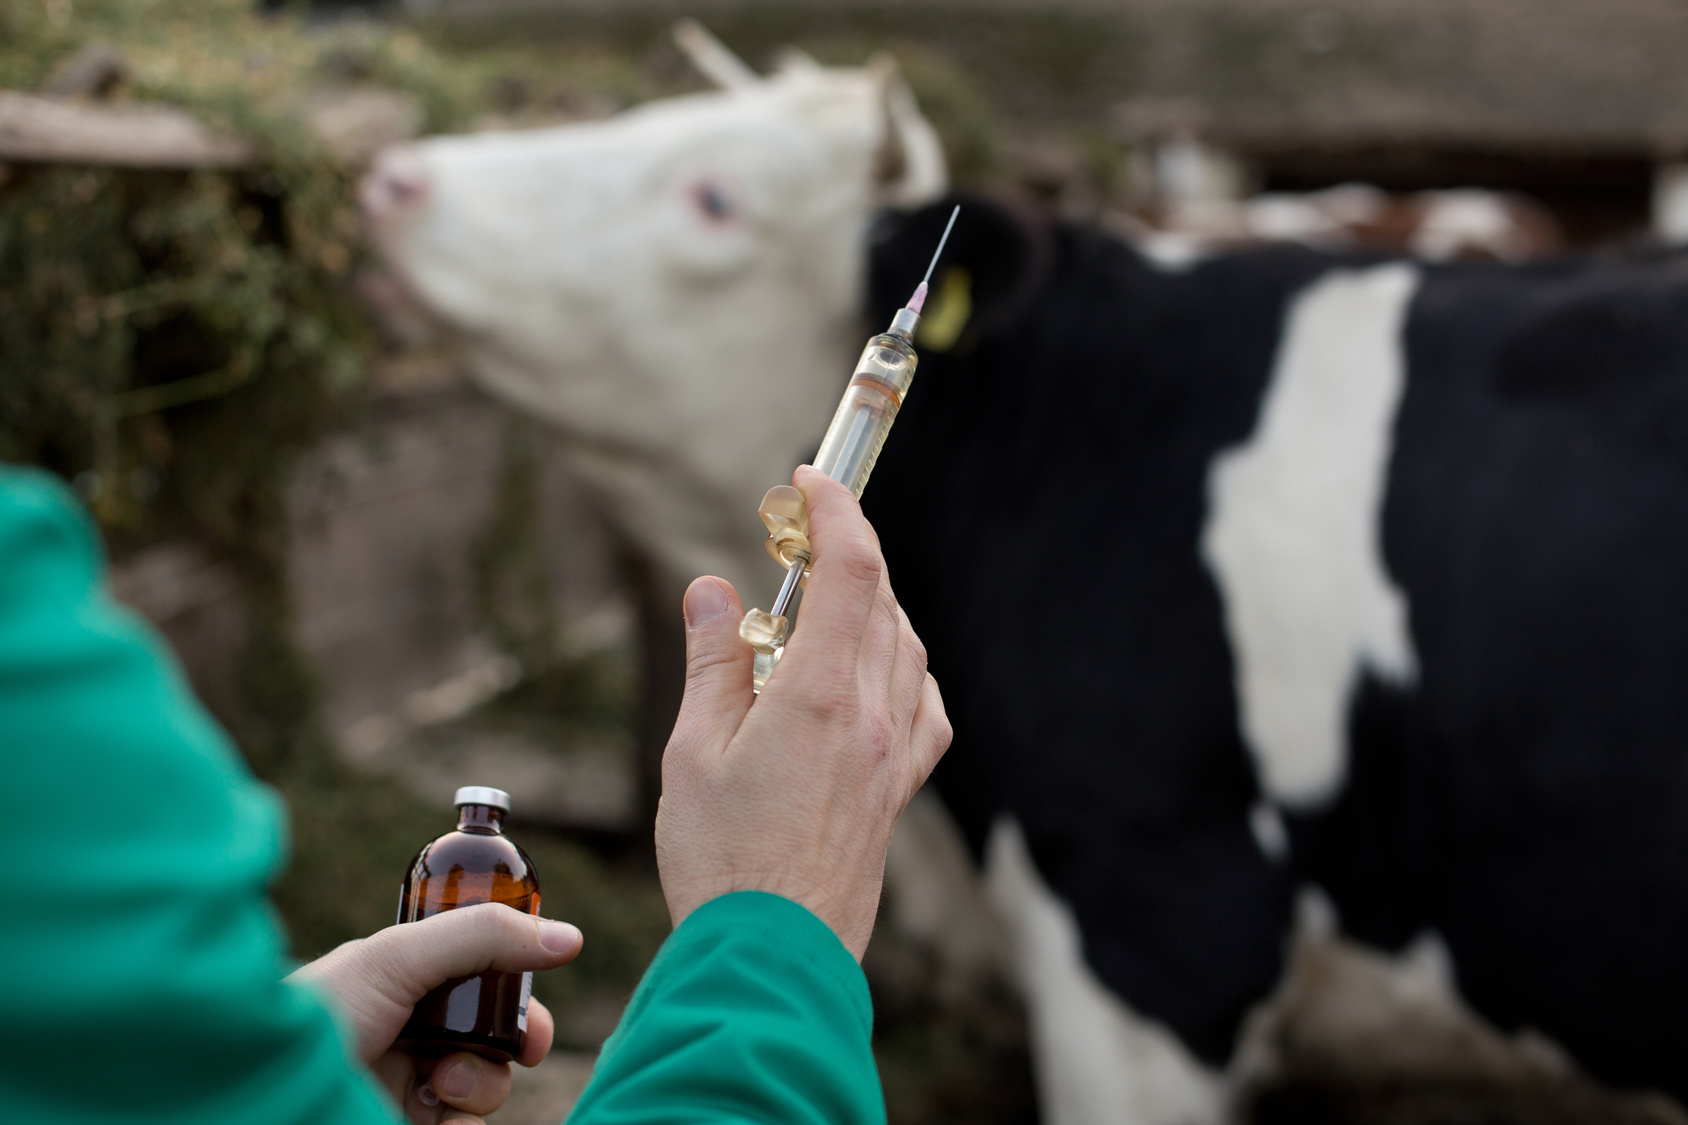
(715,204)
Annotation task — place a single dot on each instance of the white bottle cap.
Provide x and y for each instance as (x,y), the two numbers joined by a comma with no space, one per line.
(481,795)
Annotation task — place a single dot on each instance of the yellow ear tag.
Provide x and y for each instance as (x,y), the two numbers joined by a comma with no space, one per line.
(947,312)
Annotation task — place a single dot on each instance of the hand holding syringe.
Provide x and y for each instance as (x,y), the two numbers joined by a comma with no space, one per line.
(847,455)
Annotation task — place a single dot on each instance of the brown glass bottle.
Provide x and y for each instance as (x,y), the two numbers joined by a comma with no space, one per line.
(485,1013)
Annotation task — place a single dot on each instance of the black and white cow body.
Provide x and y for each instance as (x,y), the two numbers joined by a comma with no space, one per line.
(1278,568)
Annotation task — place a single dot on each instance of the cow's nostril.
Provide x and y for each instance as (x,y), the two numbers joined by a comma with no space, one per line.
(396,184)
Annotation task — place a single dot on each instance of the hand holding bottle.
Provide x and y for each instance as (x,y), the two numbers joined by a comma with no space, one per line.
(376,981)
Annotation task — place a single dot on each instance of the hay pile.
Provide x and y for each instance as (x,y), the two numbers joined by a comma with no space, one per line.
(145,311)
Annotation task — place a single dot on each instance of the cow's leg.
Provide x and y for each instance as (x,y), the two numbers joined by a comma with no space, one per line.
(1349,1017)
(1097,1061)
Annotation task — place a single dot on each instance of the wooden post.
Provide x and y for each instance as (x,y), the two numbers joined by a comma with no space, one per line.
(43,130)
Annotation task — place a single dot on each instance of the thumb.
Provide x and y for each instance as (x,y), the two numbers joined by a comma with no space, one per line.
(420,956)
(718,666)
(378,980)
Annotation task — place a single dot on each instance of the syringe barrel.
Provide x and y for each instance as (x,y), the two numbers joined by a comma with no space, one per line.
(859,428)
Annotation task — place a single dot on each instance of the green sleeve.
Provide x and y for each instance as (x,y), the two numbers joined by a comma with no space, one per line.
(752,1012)
(140,961)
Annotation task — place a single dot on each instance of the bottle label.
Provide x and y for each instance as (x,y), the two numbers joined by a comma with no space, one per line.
(527,994)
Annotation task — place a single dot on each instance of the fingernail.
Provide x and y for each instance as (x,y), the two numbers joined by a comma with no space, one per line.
(459,1080)
(427,1096)
(558,937)
(705,601)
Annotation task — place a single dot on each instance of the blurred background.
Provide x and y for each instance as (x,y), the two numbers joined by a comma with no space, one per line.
(386,584)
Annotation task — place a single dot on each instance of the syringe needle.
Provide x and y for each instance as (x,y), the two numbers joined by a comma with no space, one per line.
(918,301)
(938,253)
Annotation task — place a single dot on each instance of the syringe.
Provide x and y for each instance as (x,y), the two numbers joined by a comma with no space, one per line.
(847,455)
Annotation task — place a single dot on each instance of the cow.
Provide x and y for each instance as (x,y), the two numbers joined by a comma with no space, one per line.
(1243,573)
(1284,568)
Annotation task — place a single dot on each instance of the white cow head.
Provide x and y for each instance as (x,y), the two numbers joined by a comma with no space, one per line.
(674,289)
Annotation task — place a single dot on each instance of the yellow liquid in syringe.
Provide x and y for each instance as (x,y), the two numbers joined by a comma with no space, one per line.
(847,455)
(859,428)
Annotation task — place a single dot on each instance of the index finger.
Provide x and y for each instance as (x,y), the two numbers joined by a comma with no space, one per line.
(845,573)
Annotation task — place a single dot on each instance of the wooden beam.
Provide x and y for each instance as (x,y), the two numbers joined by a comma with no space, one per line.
(44,130)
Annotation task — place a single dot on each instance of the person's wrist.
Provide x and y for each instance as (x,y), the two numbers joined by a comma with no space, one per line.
(846,918)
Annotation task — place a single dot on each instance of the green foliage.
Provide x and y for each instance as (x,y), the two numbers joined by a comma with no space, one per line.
(125,289)
(172,342)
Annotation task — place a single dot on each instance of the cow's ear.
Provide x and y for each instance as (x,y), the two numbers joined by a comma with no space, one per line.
(994,267)
(909,169)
